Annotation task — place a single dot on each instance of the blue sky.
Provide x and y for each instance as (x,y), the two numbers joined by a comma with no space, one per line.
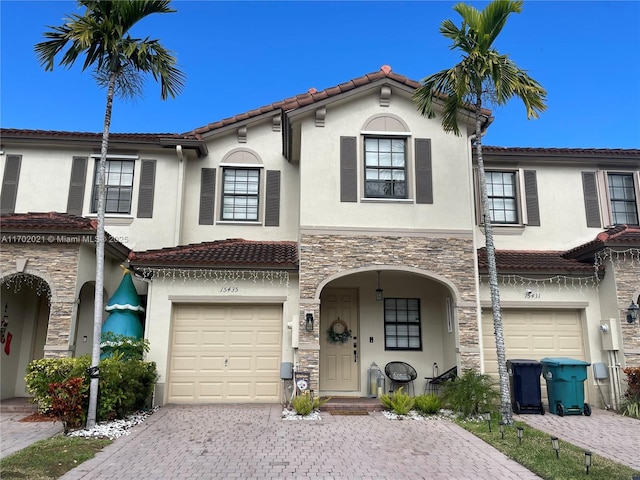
(242,55)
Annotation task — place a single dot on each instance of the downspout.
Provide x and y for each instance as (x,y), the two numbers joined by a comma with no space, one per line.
(177,237)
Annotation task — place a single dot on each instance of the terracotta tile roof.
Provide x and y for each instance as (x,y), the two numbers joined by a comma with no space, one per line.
(533,262)
(562,152)
(55,227)
(618,236)
(231,253)
(313,96)
(46,222)
(138,137)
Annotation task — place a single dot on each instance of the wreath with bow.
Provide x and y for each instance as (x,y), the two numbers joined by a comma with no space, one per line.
(338,332)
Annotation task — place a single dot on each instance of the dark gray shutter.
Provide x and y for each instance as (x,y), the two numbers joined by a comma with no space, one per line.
(272,202)
(591,201)
(424,173)
(10,184)
(531,196)
(147,186)
(77,185)
(348,169)
(207,194)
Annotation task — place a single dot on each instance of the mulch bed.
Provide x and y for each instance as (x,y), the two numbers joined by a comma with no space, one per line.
(37,417)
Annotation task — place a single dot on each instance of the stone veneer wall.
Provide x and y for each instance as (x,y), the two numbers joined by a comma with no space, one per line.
(57,264)
(627,275)
(322,256)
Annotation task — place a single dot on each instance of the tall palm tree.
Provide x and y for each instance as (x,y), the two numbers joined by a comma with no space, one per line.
(482,76)
(119,61)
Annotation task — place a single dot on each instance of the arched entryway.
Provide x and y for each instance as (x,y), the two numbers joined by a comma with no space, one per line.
(25,320)
(413,320)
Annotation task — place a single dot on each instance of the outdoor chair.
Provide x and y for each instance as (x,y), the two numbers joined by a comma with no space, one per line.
(401,373)
(433,384)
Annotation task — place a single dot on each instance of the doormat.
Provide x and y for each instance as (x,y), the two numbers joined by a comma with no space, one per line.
(348,412)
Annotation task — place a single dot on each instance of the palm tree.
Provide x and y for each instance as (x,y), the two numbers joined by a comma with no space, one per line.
(482,76)
(119,62)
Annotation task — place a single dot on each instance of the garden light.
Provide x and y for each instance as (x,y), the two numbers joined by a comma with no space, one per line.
(487,417)
(520,435)
(587,460)
(556,446)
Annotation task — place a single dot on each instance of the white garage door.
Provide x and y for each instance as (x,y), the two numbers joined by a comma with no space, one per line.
(533,335)
(225,353)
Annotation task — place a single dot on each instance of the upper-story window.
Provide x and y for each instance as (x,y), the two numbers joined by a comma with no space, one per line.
(402,324)
(622,195)
(513,197)
(502,192)
(240,194)
(385,167)
(118,186)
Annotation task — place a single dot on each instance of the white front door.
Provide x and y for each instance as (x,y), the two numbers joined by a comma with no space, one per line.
(339,362)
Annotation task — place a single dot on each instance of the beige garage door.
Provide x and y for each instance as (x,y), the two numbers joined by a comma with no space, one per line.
(533,335)
(225,353)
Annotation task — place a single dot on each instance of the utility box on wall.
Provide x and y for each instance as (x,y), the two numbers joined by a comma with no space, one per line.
(610,334)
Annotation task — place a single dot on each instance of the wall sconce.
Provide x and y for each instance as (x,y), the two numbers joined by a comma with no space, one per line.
(379,291)
(487,417)
(587,460)
(501,430)
(556,446)
(632,312)
(520,435)
(309,322)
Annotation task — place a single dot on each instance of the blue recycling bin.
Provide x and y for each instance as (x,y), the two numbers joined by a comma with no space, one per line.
(524,384)
(565,385)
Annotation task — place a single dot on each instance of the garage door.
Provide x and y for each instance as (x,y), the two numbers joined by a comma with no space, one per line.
(533,335)
(225,353)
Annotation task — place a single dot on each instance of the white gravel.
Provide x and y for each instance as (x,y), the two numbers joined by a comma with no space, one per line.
(115,428)
(292,415)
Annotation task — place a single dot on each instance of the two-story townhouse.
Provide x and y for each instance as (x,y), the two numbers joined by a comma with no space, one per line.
(261,238)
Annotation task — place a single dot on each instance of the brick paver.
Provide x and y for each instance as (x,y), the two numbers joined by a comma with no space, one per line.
(16,435)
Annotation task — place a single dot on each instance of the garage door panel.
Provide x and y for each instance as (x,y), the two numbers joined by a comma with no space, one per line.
(225,353)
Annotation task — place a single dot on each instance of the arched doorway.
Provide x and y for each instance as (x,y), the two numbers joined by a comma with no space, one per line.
(25,320)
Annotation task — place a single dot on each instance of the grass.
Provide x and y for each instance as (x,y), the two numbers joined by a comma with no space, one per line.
(51,458)
(537,455)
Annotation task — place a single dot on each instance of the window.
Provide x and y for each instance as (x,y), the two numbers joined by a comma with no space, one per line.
(513,198)
(240,194)
(402,324)
(622,195)
(501,189)
(385,167)
(118,186)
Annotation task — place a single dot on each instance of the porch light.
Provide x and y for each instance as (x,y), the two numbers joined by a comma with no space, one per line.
(556,446)
(379,292)
(632,312)
(487,417)
(587,460)
(520,435)
(501,430)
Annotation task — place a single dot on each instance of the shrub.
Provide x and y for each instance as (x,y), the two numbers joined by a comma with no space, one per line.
(470,394)
(399,402)
(124,386)
(428,404)
(631,406)
(66,402)
(304,404)
(123,347)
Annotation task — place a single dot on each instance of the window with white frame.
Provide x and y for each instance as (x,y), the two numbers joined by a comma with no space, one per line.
(385,167)
(402,324)
(118,186)
(503,199)
(240,194)
(622,198)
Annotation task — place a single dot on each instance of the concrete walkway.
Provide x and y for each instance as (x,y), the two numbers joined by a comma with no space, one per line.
(16,435)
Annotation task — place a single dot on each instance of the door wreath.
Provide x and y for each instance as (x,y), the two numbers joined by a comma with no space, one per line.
(338,332)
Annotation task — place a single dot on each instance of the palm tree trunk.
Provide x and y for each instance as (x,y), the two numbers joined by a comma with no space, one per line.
(97,307)
(498,330)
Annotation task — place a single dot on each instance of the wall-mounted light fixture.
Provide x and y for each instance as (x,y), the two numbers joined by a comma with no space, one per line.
(309,322)
(379,291)
(632,312)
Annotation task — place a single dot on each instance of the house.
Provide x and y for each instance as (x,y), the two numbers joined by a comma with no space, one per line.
(340,214)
